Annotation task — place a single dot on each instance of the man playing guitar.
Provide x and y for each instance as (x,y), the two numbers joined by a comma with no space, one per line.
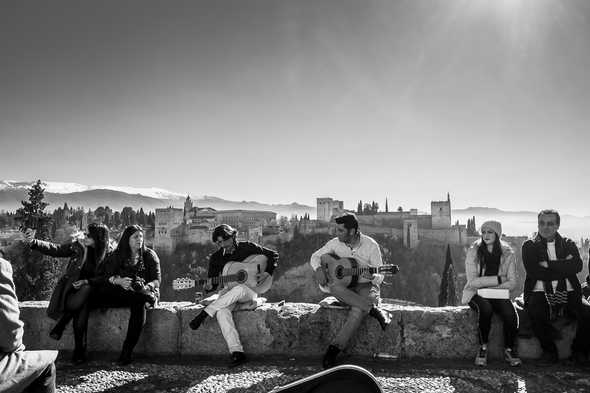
(362,297)
(231,250)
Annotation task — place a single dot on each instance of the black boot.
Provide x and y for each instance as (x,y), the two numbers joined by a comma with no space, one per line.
(60,326)
(125,358)
(237,358)
(381,316)
(198,320)
(79,346)
(329,360)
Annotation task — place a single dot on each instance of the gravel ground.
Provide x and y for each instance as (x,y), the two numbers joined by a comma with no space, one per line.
(261,375)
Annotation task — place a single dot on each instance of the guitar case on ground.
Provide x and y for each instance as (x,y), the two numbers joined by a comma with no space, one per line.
(340,379)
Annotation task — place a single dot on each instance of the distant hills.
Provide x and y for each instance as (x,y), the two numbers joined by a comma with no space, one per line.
(91,197)
(515,223)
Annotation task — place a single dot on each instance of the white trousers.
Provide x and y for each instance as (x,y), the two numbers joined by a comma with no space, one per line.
(222,309)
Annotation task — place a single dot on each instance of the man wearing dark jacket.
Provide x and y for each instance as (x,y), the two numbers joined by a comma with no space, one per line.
(551,287)
(231,250)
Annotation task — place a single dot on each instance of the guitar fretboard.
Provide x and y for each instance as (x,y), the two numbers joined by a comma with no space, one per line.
(357,271)
(219,279)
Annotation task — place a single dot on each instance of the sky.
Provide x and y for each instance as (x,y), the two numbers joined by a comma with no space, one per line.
(280,101)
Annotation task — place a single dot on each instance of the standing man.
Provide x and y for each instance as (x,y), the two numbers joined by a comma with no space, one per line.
(551,287)
(231,250)
(363,298)
(20,370)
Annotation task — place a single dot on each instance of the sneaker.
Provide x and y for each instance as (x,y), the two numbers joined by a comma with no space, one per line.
(329,360)
(237,358)
(511,356)
(482,357)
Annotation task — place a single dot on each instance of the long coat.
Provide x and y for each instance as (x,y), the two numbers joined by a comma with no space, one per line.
(77,254)
(18,368)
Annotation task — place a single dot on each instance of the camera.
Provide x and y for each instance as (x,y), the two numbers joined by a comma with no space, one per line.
(138,284)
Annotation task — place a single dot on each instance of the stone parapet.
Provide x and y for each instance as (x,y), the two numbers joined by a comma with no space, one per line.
(289,329)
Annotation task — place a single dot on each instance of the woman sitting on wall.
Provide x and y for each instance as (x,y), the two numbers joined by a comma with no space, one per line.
(131,279)
(490,264)
(70,297)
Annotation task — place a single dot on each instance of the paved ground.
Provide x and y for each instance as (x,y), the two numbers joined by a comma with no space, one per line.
(261,375)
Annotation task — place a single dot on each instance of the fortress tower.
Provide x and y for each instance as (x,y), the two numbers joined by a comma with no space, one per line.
(441,213)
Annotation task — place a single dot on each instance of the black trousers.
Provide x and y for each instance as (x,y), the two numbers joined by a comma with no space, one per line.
(505,309)
(76,307)
(538,310)
(111,296)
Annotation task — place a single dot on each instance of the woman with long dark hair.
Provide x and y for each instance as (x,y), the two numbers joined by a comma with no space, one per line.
(490,264)
(70,297)
(132,279)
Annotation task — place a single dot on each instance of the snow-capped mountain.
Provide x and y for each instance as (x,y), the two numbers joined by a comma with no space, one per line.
(117,197)
(68,188)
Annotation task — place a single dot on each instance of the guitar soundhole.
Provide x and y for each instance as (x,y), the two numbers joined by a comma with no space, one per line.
(242,276)
(339,272)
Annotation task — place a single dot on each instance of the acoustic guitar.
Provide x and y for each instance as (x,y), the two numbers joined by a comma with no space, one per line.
(234,273)
(347,272)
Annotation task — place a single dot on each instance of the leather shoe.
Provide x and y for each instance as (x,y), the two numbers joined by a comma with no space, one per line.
(237,358)
(381,316)
(198,320)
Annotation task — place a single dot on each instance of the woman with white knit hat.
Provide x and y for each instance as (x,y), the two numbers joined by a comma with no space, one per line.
(490,264)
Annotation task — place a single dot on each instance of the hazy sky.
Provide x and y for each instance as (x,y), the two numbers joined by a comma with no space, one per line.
(281,101)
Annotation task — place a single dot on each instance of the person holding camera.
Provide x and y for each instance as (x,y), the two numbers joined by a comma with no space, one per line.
(131,278)
(71,294)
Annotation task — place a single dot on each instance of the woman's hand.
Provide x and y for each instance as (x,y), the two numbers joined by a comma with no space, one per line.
(79,283)
(123,282)
(29,235)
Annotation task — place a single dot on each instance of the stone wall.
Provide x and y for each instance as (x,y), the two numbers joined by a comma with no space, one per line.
(291,329)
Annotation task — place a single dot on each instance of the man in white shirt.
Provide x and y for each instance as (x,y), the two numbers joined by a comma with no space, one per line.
(551,287)
(362,297)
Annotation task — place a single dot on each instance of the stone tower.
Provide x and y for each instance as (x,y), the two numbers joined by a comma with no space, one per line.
(441,213)
(188,208)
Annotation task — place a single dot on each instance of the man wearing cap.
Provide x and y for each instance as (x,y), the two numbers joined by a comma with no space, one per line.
(231,250)
(20,370)
(363,298)
(551,287)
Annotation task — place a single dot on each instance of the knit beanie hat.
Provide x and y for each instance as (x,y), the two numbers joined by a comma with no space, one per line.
(494,226)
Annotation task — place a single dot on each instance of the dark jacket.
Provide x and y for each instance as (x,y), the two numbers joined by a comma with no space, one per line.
(242,251)
(80,267)
(147,268)
(77,268)
(535,251)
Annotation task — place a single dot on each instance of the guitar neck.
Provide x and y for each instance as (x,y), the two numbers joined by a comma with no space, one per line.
(218,279)
(357,271)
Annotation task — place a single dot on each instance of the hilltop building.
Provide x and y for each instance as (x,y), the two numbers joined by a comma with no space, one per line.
(174,226)
(412,227)
(328,208)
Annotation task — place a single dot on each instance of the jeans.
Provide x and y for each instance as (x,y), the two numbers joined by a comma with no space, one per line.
(361,299)
(222,308)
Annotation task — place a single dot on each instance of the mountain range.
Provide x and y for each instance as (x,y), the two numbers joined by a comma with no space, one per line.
(117,197)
